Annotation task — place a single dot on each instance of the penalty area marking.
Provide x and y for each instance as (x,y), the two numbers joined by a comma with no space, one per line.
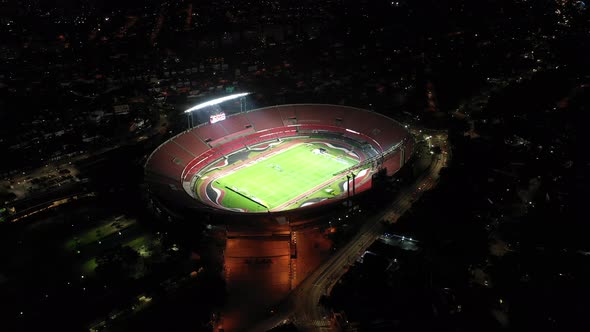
(243,191)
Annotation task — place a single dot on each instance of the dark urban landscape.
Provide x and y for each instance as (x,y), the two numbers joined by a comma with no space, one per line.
(294,165)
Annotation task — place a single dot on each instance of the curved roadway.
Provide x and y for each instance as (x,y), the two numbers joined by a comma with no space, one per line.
(301,307)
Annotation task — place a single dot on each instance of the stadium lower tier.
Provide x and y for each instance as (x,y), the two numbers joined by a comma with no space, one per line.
(262,166)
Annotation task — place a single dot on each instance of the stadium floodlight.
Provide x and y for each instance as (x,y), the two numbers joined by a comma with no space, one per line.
(216,101)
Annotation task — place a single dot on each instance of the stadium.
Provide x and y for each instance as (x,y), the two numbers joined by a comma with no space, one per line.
(277,160)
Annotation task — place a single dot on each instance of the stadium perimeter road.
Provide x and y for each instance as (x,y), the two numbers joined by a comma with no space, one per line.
(301,307)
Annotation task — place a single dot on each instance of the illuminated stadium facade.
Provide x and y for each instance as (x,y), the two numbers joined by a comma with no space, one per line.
(283,159)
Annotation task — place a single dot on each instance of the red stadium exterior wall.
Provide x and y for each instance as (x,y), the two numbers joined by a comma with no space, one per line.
(170,169)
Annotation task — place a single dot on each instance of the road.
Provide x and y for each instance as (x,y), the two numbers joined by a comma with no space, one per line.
(29,195)
(301,307)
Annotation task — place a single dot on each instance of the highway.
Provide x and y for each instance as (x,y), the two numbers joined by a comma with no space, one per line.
(301,307)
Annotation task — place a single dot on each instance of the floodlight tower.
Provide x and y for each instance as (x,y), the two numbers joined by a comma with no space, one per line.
(211,103)
(189,118)
(350,176)
(243,104)
(348,186)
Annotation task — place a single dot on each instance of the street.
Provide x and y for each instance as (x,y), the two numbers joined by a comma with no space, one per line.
(301,307)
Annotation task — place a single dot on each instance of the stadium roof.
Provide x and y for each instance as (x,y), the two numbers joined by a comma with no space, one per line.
(216,101)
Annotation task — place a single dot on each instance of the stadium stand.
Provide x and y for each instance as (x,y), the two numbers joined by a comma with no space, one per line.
(179,155)
(174,163)
(265,118)
(288,115)
(392,164)
(235,123)
(210,132)
(191,143)
(164,164)
(315,114)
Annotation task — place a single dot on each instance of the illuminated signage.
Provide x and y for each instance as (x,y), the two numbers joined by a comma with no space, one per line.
(217,117)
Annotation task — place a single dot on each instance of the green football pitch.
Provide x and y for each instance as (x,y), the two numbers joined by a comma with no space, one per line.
(274,181)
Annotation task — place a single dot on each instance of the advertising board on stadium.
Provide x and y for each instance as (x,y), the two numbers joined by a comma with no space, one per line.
(216,117)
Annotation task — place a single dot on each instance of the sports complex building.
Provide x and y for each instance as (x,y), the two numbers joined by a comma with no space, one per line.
(269,176)
(279,160)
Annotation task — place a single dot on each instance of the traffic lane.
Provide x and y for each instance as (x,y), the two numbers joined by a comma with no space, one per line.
(330,275)
(295,299)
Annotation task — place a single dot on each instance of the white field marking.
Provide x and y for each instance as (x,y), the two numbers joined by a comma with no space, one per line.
(225,162)
(335,158)
(264,190)
(257,160)
(218,193)
(363,172)
(252,162)
(267,191)
(306,180)
(359,175)
(324,184)
(271,195)
(269,145)
(186,172)
(312,203)
(339,148)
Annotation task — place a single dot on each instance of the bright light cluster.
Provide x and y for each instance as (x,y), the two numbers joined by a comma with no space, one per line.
(216,101)
(216,118)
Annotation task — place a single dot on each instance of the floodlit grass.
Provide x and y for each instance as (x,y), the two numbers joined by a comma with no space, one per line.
(282,177)
(138,242)
(335,192)
(104,229)
(88,267)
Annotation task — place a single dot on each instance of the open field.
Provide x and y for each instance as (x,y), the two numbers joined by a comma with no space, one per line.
(88,267)
(102,230)
(276,180)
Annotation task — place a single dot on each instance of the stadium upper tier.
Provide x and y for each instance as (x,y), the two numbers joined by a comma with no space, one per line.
(173,165)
